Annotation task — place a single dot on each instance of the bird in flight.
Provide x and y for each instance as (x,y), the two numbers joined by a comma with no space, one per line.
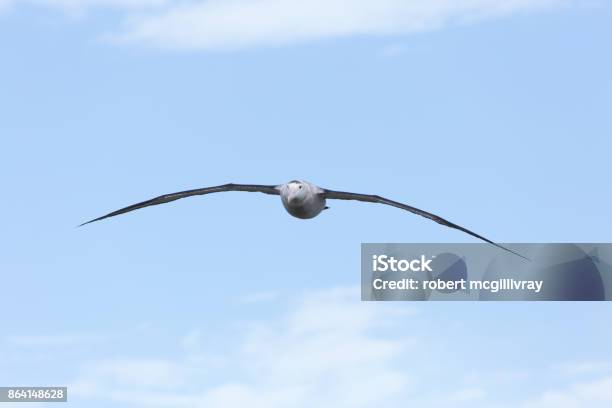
(301,199)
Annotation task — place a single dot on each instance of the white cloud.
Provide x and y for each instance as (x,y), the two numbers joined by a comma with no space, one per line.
(594,394)
(90,4)
(137,373)
(327,349)
(230,24)
(4,4)
(81,7)
(235,24)
(585,367)
(324,352)
(63,340)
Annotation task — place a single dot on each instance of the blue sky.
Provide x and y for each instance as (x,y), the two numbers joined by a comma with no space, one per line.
(495,115)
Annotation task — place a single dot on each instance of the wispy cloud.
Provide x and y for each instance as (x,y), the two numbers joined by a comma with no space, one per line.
(222,24)
(81,8)
(326,348)
(585,367)
(132,374)
(237,24)
(93,4)
(322,353)
(329,350)
(593,394)
(4,4)
(58,341)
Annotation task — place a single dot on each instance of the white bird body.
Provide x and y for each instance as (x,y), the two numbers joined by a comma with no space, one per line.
(301,199)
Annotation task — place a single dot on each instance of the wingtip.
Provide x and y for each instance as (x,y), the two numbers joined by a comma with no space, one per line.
(525,258)
(85,223)
(511,251)
(518,254)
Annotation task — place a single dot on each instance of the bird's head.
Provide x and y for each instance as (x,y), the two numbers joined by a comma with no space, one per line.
(296,191)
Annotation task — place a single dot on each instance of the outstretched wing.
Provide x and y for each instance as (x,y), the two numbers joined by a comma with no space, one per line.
(166,198)
(341,195)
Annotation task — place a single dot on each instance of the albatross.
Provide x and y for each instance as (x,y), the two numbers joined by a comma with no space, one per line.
(301,199)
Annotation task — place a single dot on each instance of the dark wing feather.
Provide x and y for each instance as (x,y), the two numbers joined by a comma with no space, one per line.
(166,198)
(341,195)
